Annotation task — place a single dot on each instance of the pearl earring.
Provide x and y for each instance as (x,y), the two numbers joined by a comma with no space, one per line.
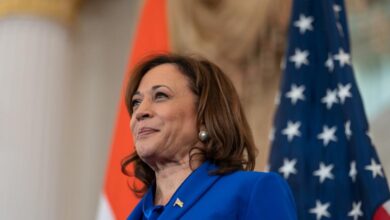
(203,136)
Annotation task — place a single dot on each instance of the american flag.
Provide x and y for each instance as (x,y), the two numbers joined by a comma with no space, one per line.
(320,138)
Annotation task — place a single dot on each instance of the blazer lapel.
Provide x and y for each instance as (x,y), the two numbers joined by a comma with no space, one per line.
(191,190)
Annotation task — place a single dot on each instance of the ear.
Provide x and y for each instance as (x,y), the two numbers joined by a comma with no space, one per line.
(202,127)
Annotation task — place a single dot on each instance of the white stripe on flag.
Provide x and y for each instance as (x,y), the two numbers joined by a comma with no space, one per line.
(104,211)
(386,206)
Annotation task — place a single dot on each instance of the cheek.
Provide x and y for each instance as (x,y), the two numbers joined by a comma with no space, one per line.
(185,120)
(132,126)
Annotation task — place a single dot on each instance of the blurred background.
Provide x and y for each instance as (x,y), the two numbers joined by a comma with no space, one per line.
(62,65)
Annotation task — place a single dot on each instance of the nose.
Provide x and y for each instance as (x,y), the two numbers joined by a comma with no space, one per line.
(143,111)
(142,116)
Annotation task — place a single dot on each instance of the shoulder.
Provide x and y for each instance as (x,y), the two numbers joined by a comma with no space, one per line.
(248,184)
(252,177)
(252,174)
(266,194)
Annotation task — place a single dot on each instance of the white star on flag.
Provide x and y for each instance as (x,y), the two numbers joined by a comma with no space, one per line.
(327,135)
(304,23)
(288,167)
(343,58)
(324,172)
(340,28)
(368,133)
(292,130)
(296,93)
(320,210)
(356,210)
(353,171)
(375,168)
(329,63)
(330,98)
(347,130)
(344,92)
(300,58)
(336,9)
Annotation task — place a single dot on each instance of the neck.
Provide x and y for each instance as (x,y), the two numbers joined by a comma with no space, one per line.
(169,177)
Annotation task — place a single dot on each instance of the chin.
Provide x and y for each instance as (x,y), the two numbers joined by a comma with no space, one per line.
(145,153)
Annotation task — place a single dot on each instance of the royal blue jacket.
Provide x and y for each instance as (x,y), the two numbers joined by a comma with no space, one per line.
(237,195)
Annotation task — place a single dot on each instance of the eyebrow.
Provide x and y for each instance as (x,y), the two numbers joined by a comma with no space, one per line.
(154,88)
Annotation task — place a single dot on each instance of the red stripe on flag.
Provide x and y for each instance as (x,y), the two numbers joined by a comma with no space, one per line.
(151,37)
(381,214)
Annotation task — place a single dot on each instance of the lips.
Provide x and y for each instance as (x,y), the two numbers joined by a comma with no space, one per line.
(145,131)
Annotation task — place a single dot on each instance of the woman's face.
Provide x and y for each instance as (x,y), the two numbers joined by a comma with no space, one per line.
(163,123)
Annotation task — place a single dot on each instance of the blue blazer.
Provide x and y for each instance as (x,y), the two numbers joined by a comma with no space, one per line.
(237,195)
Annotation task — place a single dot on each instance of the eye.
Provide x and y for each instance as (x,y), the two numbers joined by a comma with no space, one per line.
(135,103)
(160,96)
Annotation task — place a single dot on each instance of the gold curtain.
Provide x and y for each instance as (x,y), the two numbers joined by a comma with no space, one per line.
(61,10)
(247,39)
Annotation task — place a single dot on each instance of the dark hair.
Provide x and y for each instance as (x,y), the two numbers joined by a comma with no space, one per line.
(230,144)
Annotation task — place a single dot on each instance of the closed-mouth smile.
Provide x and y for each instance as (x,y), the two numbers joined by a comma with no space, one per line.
(145,131)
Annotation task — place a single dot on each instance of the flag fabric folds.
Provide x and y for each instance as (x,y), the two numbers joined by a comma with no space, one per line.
(320,139)
(117,200)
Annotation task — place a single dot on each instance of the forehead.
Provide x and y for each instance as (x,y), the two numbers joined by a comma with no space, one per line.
(164,74)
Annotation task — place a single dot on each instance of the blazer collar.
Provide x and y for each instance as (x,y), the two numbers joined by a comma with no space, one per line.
(189,192)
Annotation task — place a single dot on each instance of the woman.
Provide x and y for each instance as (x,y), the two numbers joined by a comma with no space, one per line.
(194,148)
